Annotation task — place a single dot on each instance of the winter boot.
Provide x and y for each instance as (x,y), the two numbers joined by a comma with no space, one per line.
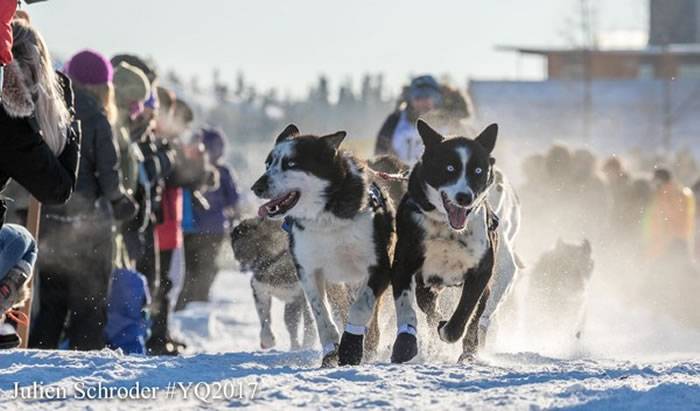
(8,336)
(161,343)
(164,346)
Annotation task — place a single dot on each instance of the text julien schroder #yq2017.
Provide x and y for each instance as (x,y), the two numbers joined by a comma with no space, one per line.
(233,390)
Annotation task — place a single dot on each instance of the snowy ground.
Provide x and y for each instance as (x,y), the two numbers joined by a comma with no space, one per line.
(225,361)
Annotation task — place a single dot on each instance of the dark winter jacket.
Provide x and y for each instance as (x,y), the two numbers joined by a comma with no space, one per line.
(81,231)
(26,158)
(386,134)
(99,174)
(159,158)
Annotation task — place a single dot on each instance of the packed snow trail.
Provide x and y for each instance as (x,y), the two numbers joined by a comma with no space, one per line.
(223,338)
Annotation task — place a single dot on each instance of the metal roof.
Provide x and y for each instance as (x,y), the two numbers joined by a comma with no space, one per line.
(675,49)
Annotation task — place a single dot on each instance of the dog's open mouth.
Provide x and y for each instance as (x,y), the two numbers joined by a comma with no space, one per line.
(279,205)
(456,215)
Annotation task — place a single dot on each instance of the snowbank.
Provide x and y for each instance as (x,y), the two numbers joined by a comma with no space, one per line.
(226,368)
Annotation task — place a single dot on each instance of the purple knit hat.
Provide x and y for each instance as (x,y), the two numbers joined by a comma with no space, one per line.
(89,67)
(214,141)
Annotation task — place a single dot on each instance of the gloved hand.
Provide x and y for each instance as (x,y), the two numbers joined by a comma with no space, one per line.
(125,207)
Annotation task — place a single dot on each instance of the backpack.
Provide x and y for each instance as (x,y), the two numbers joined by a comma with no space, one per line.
(128,321)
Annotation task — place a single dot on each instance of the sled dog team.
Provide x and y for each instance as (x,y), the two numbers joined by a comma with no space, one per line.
(348,241)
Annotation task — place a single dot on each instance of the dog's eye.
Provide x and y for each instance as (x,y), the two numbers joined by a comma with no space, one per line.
(450,168)
(477,170)
(291,164)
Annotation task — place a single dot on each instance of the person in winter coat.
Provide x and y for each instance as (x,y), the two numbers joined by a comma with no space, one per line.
(131,89)
(669,224)
(169,126)
(445,107)
(39,149)
(76,239)
(158,163)
(398,135)
(7,12)
(210,224)
(158,159)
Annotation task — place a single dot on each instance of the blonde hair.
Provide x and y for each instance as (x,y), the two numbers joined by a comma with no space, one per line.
(104,94)
(31,54)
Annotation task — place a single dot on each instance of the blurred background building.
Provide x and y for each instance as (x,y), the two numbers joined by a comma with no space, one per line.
(613,98)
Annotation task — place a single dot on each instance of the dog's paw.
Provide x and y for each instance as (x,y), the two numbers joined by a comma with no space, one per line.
(351,348)
(467,357)
(330,359)
(310,338)
(369,355)
(442,332)
(446,335)
(405,348)
(267,341)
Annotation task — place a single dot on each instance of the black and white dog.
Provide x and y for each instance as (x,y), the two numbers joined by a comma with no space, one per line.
(261,246)
(450,234)
(340,232)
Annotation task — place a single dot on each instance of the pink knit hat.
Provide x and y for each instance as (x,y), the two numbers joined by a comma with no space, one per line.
(89,67)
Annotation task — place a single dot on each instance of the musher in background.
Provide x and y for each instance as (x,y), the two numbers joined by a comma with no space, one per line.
(443,106)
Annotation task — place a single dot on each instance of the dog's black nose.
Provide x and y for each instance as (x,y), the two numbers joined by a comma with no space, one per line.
(260,186)
(464,199)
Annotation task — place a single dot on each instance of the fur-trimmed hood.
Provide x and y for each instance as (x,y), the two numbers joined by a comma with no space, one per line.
(16,96)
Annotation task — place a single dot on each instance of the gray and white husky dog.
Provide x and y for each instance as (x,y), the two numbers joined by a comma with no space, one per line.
(455,228)
(341,230)
(261,246)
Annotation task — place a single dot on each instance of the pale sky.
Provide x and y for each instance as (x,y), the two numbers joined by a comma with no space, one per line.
(288,43)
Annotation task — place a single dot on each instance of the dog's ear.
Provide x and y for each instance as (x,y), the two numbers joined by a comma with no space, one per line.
(335,139)
(487,138)
(290,131)
(428,134)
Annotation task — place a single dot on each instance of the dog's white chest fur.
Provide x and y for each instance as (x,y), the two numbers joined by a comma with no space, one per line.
(450,254)
(342,249)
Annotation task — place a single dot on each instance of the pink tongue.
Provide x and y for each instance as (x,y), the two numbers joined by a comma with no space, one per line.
(457,217)
(262,211)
